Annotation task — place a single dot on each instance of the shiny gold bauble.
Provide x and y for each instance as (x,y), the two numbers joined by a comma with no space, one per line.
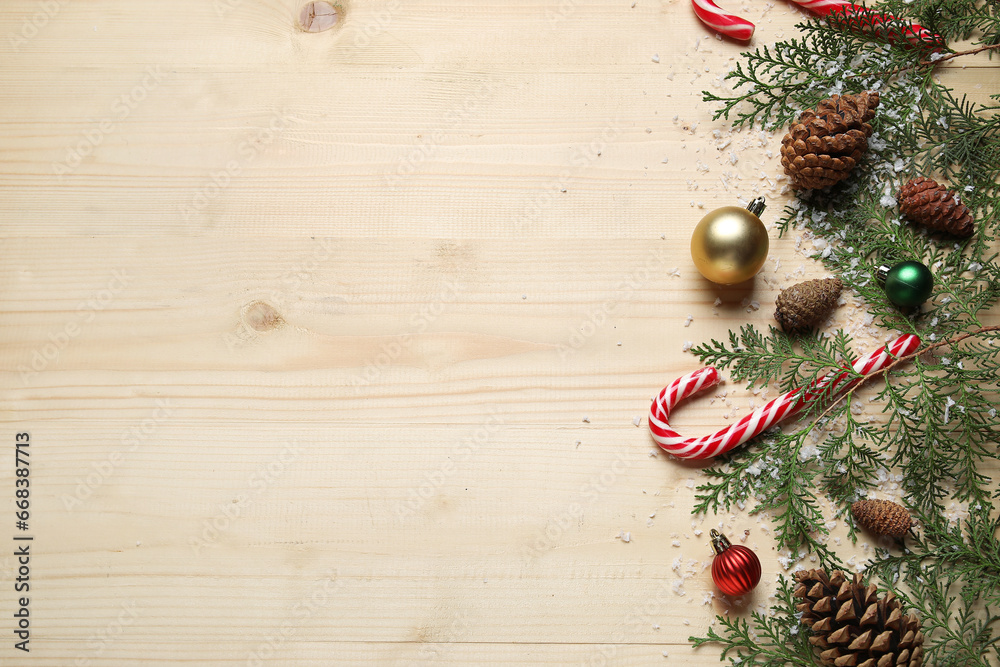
(730,244)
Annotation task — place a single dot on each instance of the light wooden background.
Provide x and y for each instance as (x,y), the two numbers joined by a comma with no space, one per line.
(330,345)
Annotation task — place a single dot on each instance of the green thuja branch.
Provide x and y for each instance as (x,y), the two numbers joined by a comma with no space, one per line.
(952,576)
(931,427)
(758,359)
(766,640)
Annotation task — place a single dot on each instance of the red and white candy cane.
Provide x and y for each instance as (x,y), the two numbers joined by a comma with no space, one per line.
(763,417)
(739,28)
(727,24)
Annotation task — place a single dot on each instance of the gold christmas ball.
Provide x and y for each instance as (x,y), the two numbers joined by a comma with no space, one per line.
(730,244)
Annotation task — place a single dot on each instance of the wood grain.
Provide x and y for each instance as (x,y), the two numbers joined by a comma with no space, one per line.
(330,345)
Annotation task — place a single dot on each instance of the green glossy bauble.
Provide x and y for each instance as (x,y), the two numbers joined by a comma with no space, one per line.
(730,244)
(908,284)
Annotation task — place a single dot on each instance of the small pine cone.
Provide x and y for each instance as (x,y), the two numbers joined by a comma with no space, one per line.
(852,627)
(933,205)
(824,145)
(803,306)
(882,517)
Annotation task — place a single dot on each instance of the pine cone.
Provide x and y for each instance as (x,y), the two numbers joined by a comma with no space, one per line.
(882,517)
(933,205)
(803,306)
(824,145)
(852,627)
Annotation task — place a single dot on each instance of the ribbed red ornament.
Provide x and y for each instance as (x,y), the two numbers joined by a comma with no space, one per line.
(736,569)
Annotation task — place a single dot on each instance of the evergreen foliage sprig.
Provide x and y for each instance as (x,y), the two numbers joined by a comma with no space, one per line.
(939,426)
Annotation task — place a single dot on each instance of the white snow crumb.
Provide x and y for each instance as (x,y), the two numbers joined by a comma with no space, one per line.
(626,537)
(690,484)
(656,626)
(652,453)
(675,543)
(807,452)
(653,514)
(656,57)
(586,420)
(687,621)
(619,343)
(665,160)
(666,655)
(887,200)
(718,302)
(688,344)
(636,421)
(689,320)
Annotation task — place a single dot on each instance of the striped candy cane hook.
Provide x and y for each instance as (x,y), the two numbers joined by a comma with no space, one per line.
(764,417)
(727,24)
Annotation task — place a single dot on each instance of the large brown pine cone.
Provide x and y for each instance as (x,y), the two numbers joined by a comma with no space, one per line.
(824,145)
(935,206)
(852,627)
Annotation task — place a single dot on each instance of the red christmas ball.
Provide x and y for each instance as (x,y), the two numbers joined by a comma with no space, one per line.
(736,569)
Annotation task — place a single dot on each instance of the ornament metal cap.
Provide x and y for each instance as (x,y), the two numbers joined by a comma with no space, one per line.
(719,542)
(881,273)
(757,206)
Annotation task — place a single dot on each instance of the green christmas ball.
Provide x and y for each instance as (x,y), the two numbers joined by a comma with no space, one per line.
(908,284)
